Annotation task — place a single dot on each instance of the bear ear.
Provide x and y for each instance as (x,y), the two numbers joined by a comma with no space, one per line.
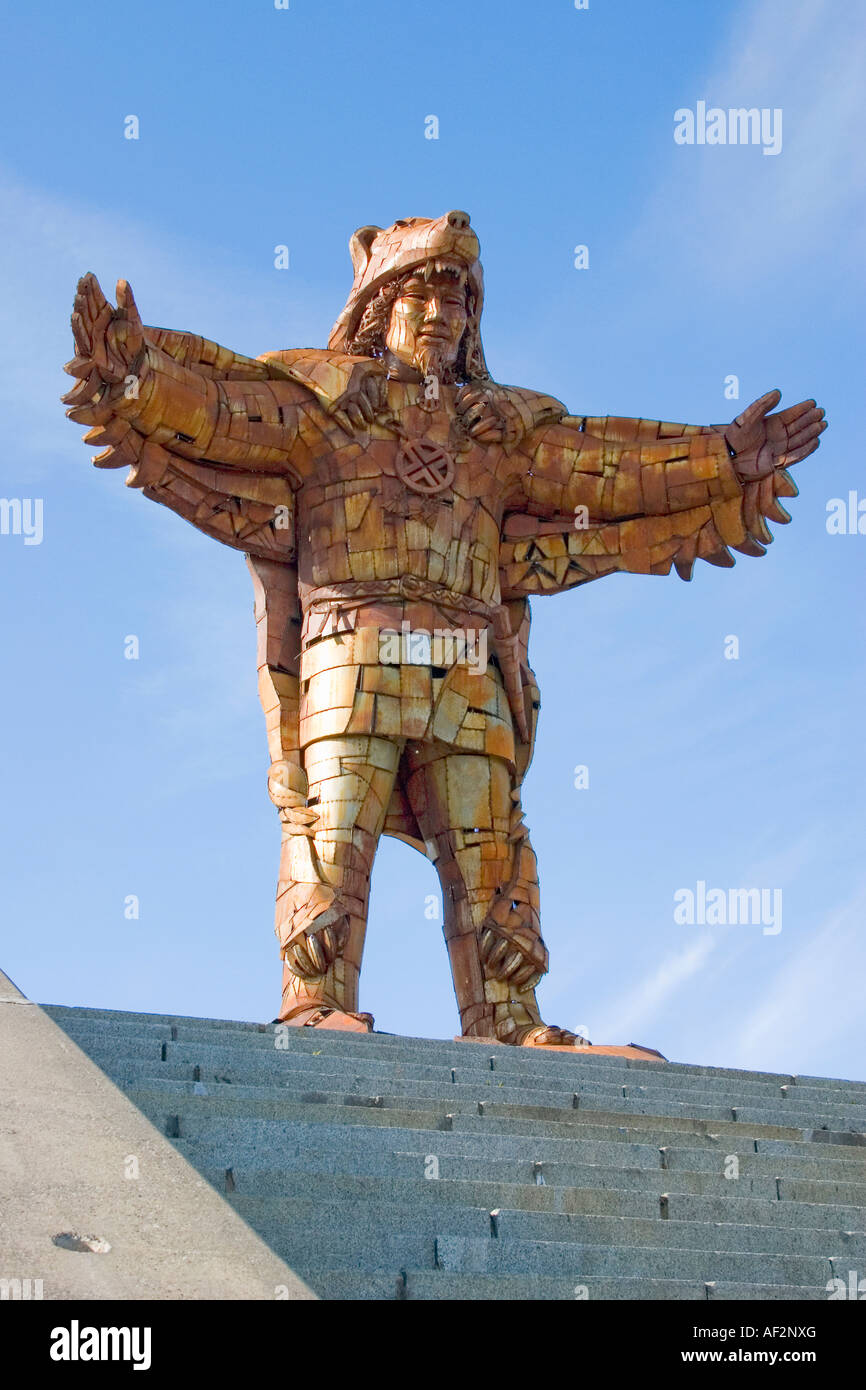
(359,246)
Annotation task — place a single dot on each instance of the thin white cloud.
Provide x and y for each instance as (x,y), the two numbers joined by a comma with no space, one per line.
(810,996)
(52,239)
(642,1005)
(779,207)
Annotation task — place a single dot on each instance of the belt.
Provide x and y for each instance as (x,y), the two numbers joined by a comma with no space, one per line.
(354,594)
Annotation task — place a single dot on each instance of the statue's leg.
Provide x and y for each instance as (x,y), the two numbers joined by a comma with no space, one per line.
(325,877)
(468,806)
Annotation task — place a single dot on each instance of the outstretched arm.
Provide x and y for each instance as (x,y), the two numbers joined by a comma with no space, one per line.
(205,432)
(129,383)
(620,469)
(641,495)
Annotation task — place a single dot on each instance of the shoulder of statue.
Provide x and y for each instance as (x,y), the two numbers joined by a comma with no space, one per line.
(327,374)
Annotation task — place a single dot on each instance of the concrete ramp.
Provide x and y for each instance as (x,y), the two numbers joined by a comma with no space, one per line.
(79,1159)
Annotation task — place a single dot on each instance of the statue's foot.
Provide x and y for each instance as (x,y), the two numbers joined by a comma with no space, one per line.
(546,1035)
(323,1016)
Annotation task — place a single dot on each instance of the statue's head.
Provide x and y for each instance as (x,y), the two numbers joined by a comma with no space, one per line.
(417,295)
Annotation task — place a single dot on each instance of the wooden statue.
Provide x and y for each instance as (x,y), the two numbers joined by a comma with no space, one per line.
(397,508)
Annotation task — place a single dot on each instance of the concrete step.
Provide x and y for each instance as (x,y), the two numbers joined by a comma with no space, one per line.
(470,1255)
(275,1101)
(385,1253)
(272,1078)
(516,1184)
(301,1048)
(440,1286)
(324,1074)
(260,1202)
(347,1145)
(195,1116)
(282,1217)
(406,1050)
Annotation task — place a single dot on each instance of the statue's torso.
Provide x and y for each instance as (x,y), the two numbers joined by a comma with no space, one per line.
(403,548)
(368,514)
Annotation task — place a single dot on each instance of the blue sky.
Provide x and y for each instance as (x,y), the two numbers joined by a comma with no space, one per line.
(261,127)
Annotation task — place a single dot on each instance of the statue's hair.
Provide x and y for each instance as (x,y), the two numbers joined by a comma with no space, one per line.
(369,337)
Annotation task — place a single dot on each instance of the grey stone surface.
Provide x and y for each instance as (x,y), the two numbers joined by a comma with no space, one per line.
(67,1135)
(553,1171)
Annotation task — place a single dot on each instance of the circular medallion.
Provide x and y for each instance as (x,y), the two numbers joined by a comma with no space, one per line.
(425,467)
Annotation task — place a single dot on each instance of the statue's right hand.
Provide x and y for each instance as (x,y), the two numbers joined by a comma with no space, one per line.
(365,400)
(109,342)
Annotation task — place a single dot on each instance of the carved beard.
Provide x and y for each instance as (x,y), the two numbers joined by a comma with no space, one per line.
(433,358)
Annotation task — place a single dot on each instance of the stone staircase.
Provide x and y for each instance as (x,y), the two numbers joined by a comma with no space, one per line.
(383,1167)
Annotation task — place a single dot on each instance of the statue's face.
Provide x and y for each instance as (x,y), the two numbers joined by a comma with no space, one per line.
(428,320)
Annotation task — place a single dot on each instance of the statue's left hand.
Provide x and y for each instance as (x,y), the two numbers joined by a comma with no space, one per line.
(111,338)
(762,442)
(109,346)
(488,415)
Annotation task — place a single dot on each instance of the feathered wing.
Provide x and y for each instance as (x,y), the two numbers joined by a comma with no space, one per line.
(547,556)
(249,511)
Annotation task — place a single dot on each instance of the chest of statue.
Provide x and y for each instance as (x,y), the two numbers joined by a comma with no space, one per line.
(418,497)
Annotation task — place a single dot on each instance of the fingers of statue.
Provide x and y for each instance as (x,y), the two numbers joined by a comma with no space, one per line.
(126,301)
(486,428)
(84,390)
(793,412)
(315,951)
(375,389)
(806,429)
(753,464)
(362,404)
(749,426)
(90,319)
(109,339)
(88,304)
(480,416)
(797,455)
(762,443)
(472,401)
(762,406)
(126,324)
(793,437)
(78,366)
